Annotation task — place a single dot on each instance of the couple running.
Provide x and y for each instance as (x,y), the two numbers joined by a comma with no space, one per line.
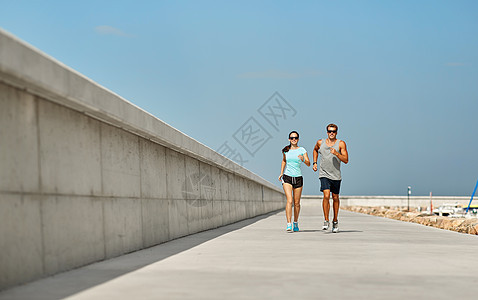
(332,152)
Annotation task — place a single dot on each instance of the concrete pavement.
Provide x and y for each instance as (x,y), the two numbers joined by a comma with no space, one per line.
(370,258)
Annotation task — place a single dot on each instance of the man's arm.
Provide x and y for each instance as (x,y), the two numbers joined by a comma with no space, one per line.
(343,155)
(316,154)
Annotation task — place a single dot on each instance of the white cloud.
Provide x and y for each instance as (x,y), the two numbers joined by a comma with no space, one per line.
(110,30)
(276,74)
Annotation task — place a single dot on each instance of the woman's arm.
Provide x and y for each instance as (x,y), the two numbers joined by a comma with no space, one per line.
(282,166)
(306,159)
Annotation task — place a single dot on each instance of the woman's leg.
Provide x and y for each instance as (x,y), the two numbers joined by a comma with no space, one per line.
(288,207)
(297,194)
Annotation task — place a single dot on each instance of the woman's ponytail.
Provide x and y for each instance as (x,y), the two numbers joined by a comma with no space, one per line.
(286,149)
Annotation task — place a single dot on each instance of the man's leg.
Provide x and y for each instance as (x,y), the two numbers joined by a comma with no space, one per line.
(326,204)
(336,205)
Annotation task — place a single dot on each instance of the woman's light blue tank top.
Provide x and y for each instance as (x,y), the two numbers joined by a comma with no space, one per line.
(292,167)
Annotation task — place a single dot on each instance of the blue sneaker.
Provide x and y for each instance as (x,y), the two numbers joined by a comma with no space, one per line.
(289,227)
(296,226)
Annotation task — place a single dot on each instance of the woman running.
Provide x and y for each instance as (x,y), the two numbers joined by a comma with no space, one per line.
(291,177)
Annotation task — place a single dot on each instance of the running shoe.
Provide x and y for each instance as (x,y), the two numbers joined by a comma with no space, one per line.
(335,227)
(326,225)
(296,226)
(289,227)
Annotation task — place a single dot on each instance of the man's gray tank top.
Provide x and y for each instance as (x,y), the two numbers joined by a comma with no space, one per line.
(329,163)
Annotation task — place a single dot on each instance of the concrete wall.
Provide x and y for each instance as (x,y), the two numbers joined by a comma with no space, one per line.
(85,175)
(395,201)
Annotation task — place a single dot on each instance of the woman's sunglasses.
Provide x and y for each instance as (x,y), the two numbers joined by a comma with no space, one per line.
(293,138)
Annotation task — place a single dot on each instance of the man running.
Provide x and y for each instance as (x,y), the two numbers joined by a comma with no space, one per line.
(332,152)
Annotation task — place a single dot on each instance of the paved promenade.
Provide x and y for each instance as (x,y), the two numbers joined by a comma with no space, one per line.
(371,258)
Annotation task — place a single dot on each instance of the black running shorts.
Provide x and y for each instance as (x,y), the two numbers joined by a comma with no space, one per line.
(329,184)
(296,182)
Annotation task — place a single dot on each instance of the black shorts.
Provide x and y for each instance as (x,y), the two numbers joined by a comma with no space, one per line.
(329,184)
(296,182)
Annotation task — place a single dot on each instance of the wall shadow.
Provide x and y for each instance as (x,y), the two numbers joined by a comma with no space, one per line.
(68,283)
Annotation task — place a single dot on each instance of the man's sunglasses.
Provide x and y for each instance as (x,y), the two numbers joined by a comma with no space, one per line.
(331,131)
(293,138)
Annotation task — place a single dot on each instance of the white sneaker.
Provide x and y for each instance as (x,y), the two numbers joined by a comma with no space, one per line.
(335,227)
(326,225)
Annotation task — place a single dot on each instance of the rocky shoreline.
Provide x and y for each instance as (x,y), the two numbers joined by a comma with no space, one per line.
(463,225)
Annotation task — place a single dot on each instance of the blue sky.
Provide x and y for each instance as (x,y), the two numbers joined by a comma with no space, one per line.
(400,78)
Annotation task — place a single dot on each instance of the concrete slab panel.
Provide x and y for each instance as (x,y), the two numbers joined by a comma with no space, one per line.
(192,191)
(176,175)
(153,170)
(216,183)
(240,210)
(194,208)
(207,215)
(277,200)
(259,208)
(226,212)
(242,188)
(256,191)
(224,185)
(21,257)
(120,162)
(249,208)
(269,194)
(278,204)
(123,226)
(207,184)
(247,193)
(217,213)
(231,181)
(19,169)
(155,221)
(193,181)
(278,197)
(69,151)
(73,232)
(253,194)
(267,207)
(233,211)
(178,218)
(271,206)
(256,196)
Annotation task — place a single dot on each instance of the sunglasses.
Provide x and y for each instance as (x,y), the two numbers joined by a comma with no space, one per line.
(294,138)
(331,131)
